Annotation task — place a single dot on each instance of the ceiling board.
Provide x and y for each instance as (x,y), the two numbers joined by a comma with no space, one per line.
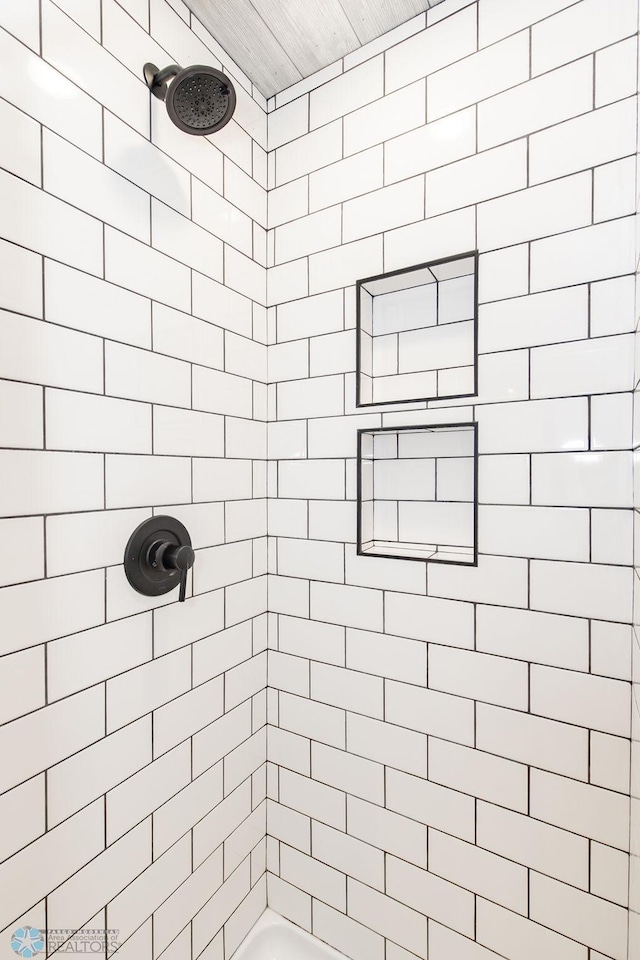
(240,30)
(312,34)
(371,18)
(278,42)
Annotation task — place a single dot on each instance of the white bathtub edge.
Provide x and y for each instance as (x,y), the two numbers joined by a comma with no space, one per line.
(270,920)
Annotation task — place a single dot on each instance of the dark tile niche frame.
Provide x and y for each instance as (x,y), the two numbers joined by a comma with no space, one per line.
(417,490)
(417,333)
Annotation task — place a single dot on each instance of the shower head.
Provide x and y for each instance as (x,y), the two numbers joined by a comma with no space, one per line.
(200,100)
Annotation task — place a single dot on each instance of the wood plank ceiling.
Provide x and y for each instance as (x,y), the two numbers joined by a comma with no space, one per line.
(278,42)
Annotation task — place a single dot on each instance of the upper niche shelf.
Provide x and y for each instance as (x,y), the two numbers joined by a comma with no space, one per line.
(417,333)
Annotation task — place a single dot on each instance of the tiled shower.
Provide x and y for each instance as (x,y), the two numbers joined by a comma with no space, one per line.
(407,758)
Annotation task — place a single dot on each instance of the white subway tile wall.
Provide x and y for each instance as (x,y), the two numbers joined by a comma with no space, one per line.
(453,754)
(131,365)
(450,747)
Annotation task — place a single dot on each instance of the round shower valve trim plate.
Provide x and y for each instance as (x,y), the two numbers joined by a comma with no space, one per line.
(159,556)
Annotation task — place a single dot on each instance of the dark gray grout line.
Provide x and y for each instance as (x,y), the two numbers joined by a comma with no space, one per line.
(149,350)
(135,293)
(384,233)
(133,182)
(564,287)
(368,410)
(145,766)
(120,892)
(479,653)
(499,606)
(131,616)
(445,166)
(148,817)
(440,831)
(382,806)
(469,156)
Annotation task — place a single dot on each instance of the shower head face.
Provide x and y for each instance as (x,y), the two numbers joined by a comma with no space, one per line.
(200,100)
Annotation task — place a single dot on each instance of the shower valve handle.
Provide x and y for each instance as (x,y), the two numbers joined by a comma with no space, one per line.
(173,556)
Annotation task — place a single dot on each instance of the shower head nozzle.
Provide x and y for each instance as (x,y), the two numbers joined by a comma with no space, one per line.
(200,100)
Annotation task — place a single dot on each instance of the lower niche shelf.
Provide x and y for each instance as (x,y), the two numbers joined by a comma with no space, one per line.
(419,551)
(417,493)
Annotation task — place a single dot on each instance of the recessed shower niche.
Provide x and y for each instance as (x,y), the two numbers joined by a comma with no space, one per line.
(417,493)
(417,333)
